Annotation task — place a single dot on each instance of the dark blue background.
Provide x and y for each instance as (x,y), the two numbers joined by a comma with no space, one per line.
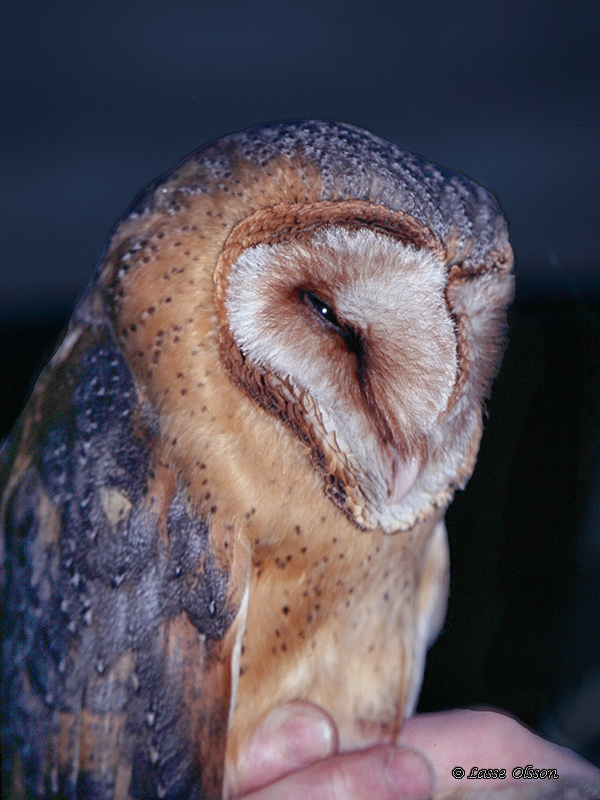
(99,98)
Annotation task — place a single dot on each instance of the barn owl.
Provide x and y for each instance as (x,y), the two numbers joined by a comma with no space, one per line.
(228,488)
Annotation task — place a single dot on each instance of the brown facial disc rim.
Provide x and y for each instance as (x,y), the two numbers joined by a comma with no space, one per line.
(292,220)
(285,221)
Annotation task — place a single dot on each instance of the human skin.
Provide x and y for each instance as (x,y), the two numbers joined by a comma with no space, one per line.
(295,755)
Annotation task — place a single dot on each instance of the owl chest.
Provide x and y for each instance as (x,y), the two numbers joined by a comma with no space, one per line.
(333,618)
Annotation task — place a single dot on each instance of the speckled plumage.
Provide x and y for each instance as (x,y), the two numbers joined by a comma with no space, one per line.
(193,536)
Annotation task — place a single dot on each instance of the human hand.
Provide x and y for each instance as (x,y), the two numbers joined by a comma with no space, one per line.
(295,755)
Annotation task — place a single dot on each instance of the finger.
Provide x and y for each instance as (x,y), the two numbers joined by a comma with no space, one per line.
(488,740)
(384,773)
(291,737)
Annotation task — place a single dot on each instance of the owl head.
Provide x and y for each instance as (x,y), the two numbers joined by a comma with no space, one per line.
(357,292)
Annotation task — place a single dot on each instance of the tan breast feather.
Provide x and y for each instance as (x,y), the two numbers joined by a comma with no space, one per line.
(227,490)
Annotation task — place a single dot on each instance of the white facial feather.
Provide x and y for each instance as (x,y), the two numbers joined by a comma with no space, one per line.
(393,296)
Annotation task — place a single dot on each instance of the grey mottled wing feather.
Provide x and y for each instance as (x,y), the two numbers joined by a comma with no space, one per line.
(116,680)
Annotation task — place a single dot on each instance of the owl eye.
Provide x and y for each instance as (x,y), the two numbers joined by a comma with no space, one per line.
(349,335)
(325,312)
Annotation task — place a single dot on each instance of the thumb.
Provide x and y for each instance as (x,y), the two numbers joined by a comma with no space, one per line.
(292,736)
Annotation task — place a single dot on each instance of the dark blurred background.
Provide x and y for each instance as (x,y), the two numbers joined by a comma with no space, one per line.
(97,99)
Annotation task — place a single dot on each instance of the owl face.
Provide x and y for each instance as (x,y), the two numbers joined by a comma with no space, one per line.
(355,326)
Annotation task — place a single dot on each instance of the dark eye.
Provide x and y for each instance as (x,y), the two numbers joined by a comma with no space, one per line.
(350,336)
(325,312)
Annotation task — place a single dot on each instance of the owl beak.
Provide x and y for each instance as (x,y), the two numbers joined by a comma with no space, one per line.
(401,478)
